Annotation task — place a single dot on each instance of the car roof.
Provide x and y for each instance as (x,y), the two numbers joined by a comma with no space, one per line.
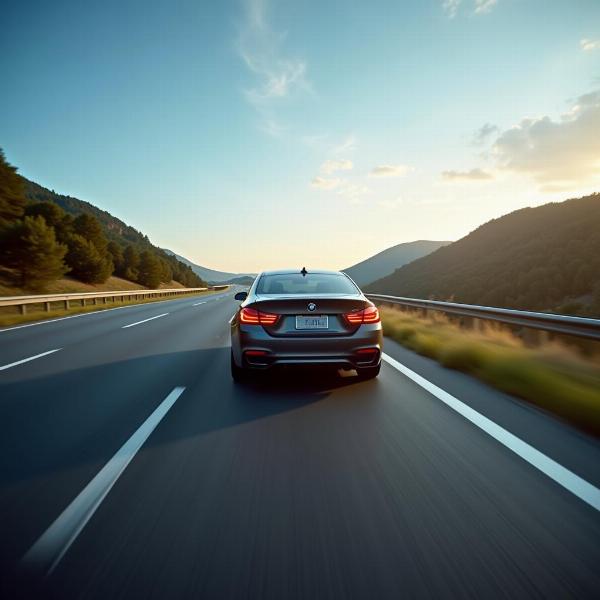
(298,271)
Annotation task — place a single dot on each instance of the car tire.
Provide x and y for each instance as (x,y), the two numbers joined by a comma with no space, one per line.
(368,372)
(238,374)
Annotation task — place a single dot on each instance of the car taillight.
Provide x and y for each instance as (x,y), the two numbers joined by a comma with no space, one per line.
(371,315)
(251,316)
(267,318)
(367,315)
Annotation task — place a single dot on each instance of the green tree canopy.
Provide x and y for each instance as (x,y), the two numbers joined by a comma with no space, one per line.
(30,248)
(88,227)
(116,254)
(87,263)
(149,270)
(12,193)
(54,216)
(131,262)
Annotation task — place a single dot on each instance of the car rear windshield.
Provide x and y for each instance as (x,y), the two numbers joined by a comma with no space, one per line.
(311,283)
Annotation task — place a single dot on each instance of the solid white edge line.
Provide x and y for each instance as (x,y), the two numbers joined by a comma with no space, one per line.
(52,545)
(561,475)
(144,321)
(232,318)
(25,360)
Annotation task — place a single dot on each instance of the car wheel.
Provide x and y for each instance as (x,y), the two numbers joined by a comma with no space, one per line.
(238,374)
(368,372)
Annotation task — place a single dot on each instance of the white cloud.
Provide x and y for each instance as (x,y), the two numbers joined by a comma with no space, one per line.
(330,166)
(480,7)
(390,171)
(323,183)
(588,45)
(558,154)
(484,6)
(277,76)
(450,7)
(472,175)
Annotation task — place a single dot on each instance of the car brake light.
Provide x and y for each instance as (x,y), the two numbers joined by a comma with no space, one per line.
(371,315)
(367,315)
(251,316)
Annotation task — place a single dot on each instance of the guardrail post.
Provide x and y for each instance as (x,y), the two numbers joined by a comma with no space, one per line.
(23,309)
(66,305)
(47,306)
(83,302)
(95,301)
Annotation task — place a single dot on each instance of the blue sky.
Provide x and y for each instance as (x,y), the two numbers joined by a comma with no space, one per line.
(259,134)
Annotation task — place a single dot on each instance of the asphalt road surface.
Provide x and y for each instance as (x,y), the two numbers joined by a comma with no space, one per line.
(131,466)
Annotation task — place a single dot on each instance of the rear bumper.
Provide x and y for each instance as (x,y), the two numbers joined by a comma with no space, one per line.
(340,352)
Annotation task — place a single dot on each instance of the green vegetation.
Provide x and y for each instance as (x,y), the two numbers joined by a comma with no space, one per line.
(36,312)
(552,376)
(12,198)
(543,258)
(30,248)
(149,272)
(44,235)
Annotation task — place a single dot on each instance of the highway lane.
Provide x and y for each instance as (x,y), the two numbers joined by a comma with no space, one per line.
(23,341)
(64,415)
(298,487)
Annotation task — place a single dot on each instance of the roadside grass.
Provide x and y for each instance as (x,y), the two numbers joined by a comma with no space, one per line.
(553,376)
(37,313)
(69,285)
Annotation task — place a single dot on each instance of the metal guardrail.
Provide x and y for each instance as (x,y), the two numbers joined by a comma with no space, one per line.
(47,299)
(577,326)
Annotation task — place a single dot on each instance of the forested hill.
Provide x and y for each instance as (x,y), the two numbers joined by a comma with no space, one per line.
(386,262)
(114,228)
(545,258)
(124,242)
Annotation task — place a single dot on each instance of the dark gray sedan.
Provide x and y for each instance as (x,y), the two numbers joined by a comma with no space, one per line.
(305,318)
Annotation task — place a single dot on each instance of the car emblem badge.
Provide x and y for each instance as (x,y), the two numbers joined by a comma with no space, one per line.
(312,306)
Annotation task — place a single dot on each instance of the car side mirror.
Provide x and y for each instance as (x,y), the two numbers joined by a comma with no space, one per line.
(241,296)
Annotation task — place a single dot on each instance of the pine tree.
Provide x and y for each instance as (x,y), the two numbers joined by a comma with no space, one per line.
(131,261)
(149,270)
(54,216)
(30,248)
(116,254)
(88,227)
(12,193)
(87,263)
(166,273)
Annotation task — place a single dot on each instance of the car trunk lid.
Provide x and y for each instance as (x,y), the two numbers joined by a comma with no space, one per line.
(331,307)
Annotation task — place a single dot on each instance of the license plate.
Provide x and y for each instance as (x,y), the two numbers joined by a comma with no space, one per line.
(312,322)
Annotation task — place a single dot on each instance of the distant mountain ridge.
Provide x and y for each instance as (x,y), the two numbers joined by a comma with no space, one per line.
(210,275)
(386,262)
(545,258)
